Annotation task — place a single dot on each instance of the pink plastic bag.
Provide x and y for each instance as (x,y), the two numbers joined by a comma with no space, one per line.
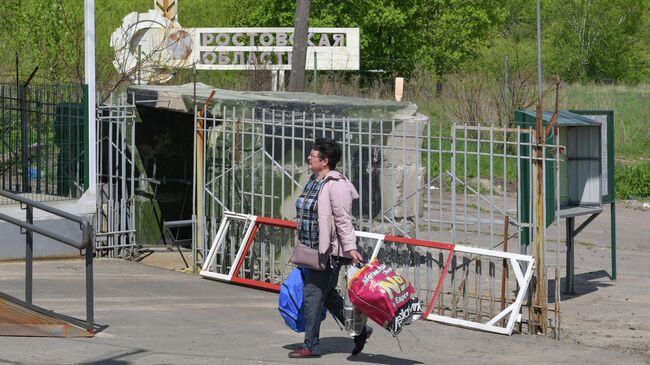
(384,296)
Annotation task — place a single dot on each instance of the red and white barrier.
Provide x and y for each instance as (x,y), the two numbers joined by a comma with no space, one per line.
(226,261)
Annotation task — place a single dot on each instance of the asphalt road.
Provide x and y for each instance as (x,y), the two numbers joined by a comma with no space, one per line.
(157,316)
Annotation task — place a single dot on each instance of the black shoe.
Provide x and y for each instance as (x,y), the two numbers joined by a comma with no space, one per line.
(360,340)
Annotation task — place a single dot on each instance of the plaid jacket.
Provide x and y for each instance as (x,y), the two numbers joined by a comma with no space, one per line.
(307,212)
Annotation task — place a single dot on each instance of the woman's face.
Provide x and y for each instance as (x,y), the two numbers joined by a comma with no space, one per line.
(315,163)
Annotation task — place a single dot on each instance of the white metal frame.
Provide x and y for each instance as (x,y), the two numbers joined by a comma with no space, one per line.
(218,241)
(516,261)
(522,266)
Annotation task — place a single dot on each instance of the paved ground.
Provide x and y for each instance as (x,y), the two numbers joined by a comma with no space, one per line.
(159,316)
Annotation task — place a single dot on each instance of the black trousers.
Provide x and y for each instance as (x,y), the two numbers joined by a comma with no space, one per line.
(320,289)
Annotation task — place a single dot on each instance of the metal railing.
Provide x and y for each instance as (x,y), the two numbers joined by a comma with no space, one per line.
(85,243)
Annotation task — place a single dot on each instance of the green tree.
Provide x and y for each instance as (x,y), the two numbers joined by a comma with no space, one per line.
(45,34)
(596,39)
(452,32)
(401,36)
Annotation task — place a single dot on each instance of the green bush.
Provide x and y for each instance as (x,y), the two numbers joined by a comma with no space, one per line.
(633,181)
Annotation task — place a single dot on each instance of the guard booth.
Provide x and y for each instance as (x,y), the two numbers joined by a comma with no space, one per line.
(586,181)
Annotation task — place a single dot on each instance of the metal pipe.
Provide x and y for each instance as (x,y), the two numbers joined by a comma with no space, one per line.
(465,187)
(453,184)
(613,236)
(26,188)
(570,224)
(89,77)
(585,223)
(29,243)
(132,200)
(504,265)
(123,178)
(111,194)
(39,143)
(371,170)
(90,244)
(492,244)
(41,206)
(42,231)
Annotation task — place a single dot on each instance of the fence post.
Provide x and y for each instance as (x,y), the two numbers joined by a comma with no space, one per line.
(23,139)
(90,236)
(86,139)
(29,253)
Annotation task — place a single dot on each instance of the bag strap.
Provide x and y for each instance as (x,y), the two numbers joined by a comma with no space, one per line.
(327,178)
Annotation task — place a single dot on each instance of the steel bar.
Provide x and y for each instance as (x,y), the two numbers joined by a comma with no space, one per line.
(585,223)
(570,236)
(504,266)
(613,237)
(29,254)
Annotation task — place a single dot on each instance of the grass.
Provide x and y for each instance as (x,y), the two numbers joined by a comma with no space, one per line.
(633,181)
(631,105)
(469,164)
(480,96)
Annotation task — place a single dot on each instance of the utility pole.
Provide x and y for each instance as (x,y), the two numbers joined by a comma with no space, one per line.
(540,306)
(299,54)
(89,71)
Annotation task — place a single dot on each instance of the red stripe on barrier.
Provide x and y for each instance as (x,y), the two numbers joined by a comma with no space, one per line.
(277,222)
(440,281)
(250,282)
(416,242)
(256,284)
(292,225)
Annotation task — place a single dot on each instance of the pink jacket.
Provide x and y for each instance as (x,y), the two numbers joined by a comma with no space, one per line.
(335,215)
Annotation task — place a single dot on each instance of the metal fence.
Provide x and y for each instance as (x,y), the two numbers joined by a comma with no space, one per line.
(460,184)
(115,178)
(42,141)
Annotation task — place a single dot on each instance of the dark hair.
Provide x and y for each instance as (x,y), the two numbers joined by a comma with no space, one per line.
(329,149)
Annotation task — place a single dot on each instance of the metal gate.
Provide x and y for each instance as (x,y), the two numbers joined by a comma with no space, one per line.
(115,223)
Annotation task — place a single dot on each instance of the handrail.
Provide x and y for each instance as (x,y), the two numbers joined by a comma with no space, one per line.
(85,243)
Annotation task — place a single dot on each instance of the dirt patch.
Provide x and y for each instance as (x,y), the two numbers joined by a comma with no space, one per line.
(606,313)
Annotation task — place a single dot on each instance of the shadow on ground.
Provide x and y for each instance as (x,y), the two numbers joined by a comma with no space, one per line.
(585,283)
(344,345)
(116,360)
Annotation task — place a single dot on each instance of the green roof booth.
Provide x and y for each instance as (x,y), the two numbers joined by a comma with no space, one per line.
(586,174)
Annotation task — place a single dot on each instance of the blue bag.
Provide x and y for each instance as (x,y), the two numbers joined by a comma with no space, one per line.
(290,301)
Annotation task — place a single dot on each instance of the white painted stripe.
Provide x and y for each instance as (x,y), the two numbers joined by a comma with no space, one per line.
(493,253)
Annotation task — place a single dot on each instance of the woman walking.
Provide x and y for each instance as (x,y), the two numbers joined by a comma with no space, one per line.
(325,208)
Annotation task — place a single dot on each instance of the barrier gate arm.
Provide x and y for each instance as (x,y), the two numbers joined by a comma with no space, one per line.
(254,222)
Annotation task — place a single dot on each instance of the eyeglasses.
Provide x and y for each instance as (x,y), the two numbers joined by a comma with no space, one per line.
(314,156)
